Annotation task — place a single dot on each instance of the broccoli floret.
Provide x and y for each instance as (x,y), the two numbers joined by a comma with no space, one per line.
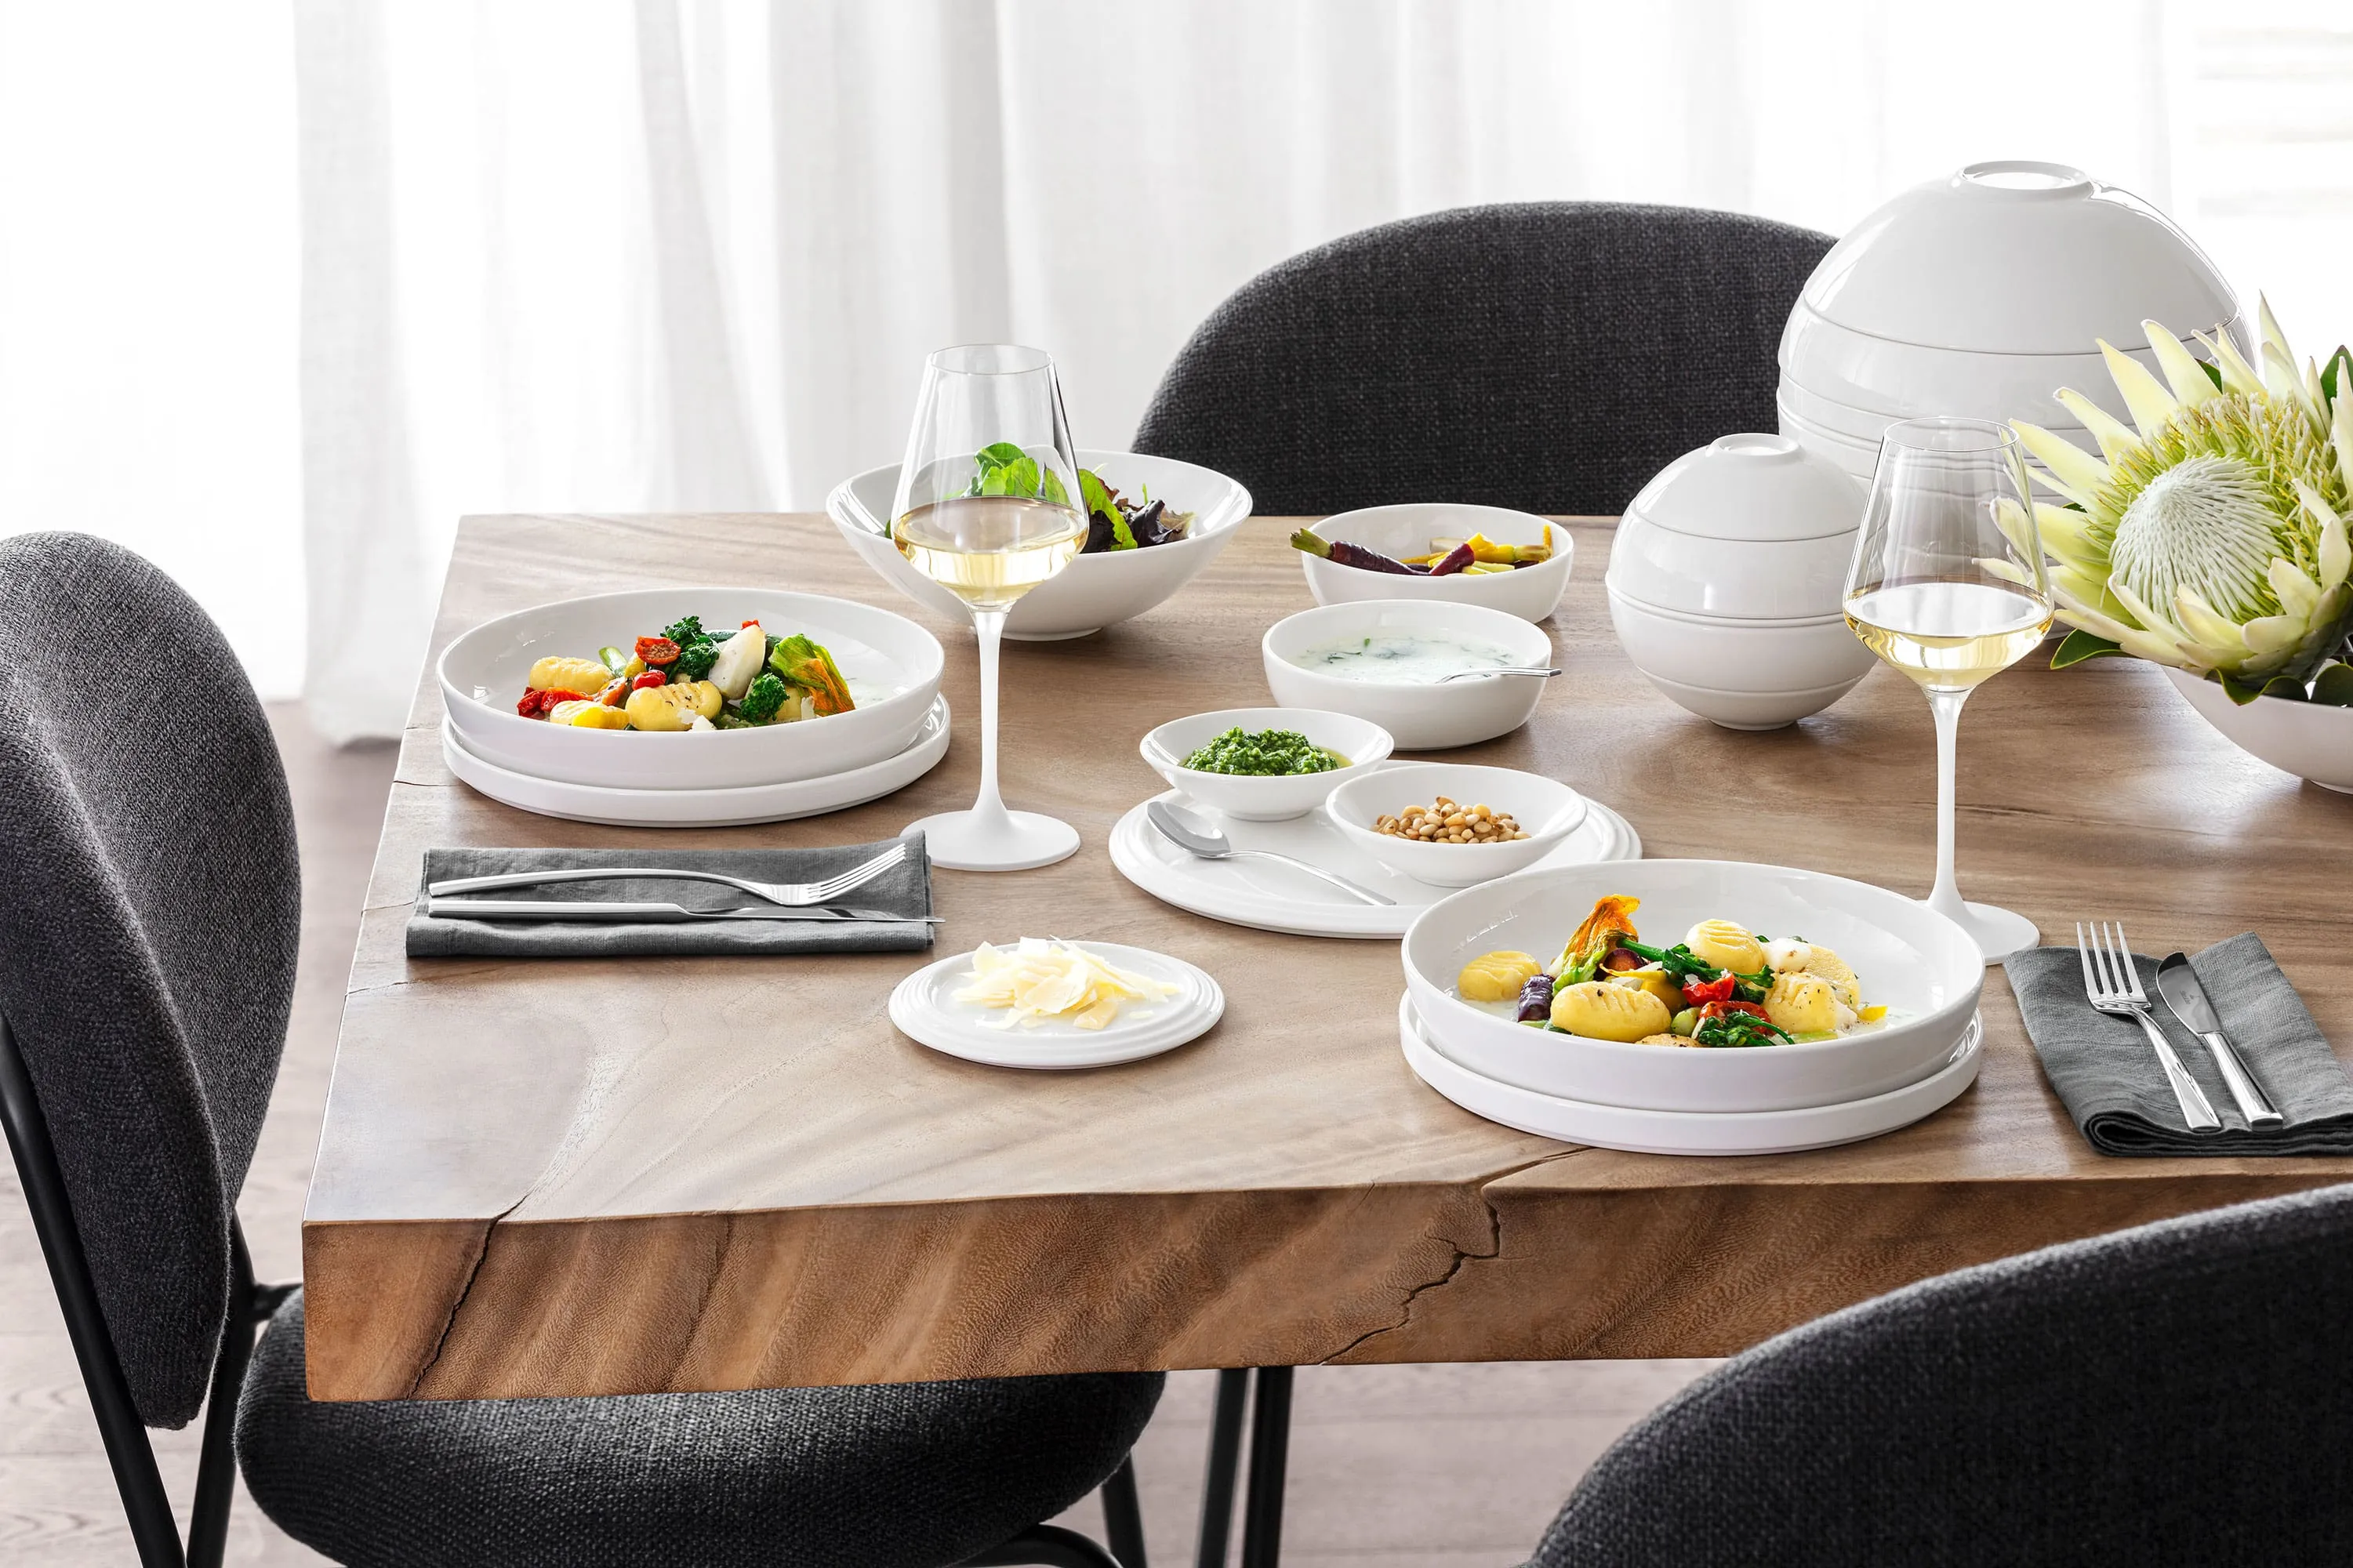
(686,631)
(695,660)
(763,698)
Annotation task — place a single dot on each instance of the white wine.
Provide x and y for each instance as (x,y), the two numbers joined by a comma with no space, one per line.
(1948,637)
(988,550)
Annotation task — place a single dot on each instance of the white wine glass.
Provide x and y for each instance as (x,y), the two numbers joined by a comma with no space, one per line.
(1948,584)
(989,508)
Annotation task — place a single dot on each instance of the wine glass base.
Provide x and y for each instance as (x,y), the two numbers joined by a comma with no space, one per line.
(1999,932)
(993,841)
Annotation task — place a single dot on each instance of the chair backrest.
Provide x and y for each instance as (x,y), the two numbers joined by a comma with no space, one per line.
(1550,357)
(2180,1392)
(150,909)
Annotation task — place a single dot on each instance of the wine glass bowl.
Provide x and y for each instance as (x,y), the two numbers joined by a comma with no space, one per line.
(1949,586)
(989,504)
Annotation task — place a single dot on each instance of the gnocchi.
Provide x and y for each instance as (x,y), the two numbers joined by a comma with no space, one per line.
(1601,1011)
(1496,976)
(690,678)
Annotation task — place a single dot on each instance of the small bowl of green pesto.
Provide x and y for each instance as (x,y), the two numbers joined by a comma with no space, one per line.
(1265,764)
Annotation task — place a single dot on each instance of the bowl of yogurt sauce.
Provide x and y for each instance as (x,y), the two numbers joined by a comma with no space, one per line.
(1383,660)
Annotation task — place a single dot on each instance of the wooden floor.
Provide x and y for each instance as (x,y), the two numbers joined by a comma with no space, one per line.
(1431,1467)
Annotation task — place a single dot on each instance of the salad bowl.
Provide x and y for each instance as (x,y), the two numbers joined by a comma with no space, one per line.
(1094,591)
(1250,797)
(890,665)
(1421,713)
(1927,969)
(1531,593)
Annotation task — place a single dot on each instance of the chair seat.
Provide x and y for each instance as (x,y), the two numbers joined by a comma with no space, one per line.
(891,1475)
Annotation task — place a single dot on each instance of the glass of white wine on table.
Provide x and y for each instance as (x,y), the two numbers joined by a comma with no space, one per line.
(1948,584)
(988,507)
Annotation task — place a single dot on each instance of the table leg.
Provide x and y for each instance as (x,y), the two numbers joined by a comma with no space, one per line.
(1269,1451)
(1224,1458)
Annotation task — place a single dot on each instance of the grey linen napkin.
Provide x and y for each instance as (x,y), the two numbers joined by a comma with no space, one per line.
(2107,1074)
(905,890)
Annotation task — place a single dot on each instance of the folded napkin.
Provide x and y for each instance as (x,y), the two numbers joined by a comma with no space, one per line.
(2105,1070)
(904,890)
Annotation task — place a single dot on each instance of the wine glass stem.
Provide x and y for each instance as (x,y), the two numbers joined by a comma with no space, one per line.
(1944,897)
(988,626)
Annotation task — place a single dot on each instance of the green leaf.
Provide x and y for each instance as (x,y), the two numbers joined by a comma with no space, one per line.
(993,480)
(1099,503)
(1049,487)
(2335,686)
(1020,477)
(2330,380)
(2079,646)
(997,454)
(2214,373)
(2243,692)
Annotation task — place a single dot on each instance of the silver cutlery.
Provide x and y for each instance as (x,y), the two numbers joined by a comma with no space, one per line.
(1197,837)
(2178,985)
(794,894)
(1498,669)
(2116,988)
(648,915)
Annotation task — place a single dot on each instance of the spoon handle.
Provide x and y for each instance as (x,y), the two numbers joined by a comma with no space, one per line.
(1498,669)
(1340,882)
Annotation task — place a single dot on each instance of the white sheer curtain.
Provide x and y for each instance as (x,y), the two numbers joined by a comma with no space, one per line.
(609,256)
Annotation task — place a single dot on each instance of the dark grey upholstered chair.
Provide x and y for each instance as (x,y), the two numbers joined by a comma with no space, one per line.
(2178,1394)
(151,904)
(1550,357)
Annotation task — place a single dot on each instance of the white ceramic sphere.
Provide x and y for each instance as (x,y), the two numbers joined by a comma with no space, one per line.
(1252,798)
(1739,656)
(1422,716)
(1094,591)
(1774,580)
(1545,809)
(1531,593)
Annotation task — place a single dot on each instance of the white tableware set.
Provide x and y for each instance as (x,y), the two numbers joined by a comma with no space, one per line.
(897,733)
(1725,578)
(1660,1099)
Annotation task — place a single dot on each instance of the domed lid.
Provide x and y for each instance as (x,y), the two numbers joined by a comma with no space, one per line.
(2019,258)
(1752,487)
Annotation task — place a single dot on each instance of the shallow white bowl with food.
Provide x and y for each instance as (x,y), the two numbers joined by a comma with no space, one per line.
(1803,666)
(891,665)
(1545,809)
(1259,797)
(1094,591)
(2311,740)
(1924,967)
(1421,713)
(1531,593)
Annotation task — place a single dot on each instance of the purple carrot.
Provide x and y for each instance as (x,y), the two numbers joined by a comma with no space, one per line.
(1536,1001)
(1340,552)
(1454,561)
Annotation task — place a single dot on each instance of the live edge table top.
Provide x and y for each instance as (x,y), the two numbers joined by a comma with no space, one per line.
(562,1177)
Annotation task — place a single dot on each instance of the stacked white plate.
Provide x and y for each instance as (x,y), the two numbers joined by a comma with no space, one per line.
(924,1009)
(1980,295)
(1661,1099)
(897,731)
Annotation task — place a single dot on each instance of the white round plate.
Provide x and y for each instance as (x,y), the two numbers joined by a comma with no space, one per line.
(706,807)
(1269,897)
(924,1009)
(1688,1132)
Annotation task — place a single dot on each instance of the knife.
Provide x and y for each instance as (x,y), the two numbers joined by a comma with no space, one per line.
(652,914)
(2177,983)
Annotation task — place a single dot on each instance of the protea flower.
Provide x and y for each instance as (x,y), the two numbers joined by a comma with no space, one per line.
(2210,535)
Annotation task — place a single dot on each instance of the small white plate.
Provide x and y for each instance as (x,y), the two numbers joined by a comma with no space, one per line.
(1269,896)
(1687,1132)
(924,1009)
(706,807)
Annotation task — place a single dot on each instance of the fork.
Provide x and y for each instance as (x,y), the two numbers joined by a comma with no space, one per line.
(792,895)
(2116,988)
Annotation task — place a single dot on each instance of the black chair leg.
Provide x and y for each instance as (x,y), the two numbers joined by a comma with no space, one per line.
(1044,1546)
(216,1461)
(1225,1461)
(1270,1455)
(1124,1515)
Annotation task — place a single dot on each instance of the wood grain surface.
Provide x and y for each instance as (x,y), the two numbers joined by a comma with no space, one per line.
(553,1177)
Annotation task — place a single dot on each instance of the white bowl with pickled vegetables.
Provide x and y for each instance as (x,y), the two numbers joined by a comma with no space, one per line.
(1514,562)
(1386,660)
(831,685)
(1648,1002)
(1176,517)
(1265,764)
(1453,824)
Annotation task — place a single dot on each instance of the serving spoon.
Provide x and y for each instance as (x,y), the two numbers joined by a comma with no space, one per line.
(1197,837)
(1498,669)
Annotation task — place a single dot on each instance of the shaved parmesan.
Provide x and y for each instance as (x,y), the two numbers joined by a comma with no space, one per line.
(1041,980)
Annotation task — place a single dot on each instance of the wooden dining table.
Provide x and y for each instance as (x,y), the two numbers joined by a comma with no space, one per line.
(583,1177)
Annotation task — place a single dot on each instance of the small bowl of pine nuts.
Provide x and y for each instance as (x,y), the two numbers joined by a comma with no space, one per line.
(1453,824)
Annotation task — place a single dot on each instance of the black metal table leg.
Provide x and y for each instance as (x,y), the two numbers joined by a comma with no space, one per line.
(1124,1516)
(1270,1453)
(1225,1459)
